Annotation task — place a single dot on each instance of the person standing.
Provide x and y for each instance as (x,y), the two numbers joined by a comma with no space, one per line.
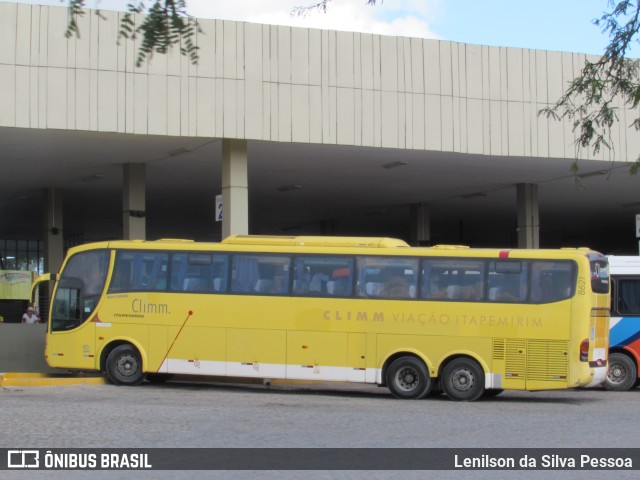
(30,316)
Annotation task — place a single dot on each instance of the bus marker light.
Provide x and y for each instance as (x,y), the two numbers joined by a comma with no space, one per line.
(584,350)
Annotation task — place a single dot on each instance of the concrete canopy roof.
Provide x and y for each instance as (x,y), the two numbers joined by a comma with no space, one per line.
(330,189)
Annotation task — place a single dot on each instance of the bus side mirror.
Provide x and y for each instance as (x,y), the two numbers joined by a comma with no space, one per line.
(41,279)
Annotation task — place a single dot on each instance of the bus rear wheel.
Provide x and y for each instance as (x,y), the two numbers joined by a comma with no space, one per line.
(408,378)
(622,373)
(463,379)
(124,366)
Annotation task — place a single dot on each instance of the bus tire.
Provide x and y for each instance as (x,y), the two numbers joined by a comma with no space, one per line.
(622,374)
(463,380)
(408,378)
(124,366)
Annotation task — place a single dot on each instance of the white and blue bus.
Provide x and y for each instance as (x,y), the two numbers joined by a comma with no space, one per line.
(624,336)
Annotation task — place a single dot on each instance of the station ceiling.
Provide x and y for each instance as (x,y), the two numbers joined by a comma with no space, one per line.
(310,189)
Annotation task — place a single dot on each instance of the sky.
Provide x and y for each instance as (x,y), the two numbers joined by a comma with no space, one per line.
(560,25)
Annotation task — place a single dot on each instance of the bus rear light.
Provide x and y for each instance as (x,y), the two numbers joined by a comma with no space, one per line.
(584,350)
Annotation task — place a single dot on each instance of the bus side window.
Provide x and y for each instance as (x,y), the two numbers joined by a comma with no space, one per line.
(393,278)
(507,281)
(453,279)
(139,272)
(321,275)
(628,294)
(198,272)
(260,274)
(552,281)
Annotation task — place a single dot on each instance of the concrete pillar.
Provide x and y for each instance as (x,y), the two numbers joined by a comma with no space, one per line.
(53,239)
(134,226)
(420,225)
(235,188)
(528,216)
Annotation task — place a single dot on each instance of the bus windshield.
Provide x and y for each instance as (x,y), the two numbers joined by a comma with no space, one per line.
(79,289)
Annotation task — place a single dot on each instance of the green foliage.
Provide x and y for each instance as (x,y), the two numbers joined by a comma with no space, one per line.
(165,24)
(591,100)
(320,6)
(76,9)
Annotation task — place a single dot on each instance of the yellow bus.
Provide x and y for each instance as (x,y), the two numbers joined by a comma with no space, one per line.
(464,321)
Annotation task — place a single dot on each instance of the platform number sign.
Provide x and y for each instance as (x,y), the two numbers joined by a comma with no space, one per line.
(218,208)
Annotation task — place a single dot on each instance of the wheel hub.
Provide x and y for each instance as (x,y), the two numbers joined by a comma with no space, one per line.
(463,380)
(616,373)
(407,379)
(127,366)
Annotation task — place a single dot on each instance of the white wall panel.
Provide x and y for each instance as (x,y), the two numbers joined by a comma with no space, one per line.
(253,102)
(431,52)
(217,108)
(284,112)
(300,113)
(514,75)
(82,110)
(389,119)
(346,116)
(474,73)
(418,124)
(107,102)
(367,118)
(388,64)
(23,33)
(433,122)
(283,58)
(446,69)
(300,56)
(8,31)
(206,94)
(230,50)
(158,106)
(229,94)
(107,42)
(315,57)
(289,84)
(446,117)
(22,97)
(207,54)
(345,59)
(515,122)
(315,114)
(122,106)
(475,124)
(7,95)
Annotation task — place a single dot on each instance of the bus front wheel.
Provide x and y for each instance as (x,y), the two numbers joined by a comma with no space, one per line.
(124,366)
(408,378)
(463,379)
(622,373)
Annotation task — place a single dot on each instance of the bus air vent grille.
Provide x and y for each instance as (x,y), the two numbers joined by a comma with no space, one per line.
(498,348)
(547,360)
(516,361)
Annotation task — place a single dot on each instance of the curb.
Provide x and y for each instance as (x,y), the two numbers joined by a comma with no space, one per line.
(15,379)
(18,379)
